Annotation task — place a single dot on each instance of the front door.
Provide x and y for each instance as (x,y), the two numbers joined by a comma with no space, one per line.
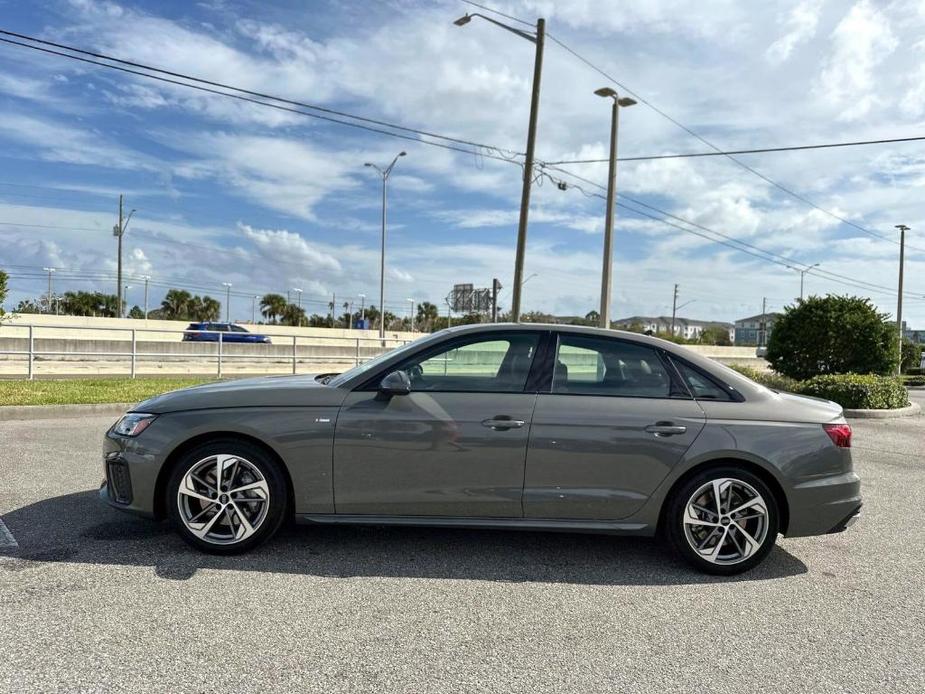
(454,446)
(608,432)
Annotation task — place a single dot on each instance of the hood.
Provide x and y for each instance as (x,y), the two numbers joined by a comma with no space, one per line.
(267,391)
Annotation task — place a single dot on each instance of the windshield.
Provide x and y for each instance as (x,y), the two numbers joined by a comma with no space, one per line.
(376,361)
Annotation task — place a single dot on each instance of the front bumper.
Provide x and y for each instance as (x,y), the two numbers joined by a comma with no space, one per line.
(130,472)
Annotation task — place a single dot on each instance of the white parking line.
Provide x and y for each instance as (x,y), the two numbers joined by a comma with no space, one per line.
(7,541)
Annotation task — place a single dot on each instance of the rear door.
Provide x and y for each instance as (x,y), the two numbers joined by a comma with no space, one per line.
(454,446)
(614,421)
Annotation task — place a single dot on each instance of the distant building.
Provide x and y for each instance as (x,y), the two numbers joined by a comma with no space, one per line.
(917,336)
(755,330)
(683,327)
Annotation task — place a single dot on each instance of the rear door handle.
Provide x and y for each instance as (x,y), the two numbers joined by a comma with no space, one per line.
(666,429)
(500,423)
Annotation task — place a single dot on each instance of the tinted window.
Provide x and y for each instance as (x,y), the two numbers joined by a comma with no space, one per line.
(237,329)
(701,386)
(603,366)
(495,364)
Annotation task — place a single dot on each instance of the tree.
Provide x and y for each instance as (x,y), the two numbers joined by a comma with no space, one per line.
(136,313)
(593,317)
(272,307)
(176,304)
(3,280)
(832,335)
(204,308)
(29,306)
(911,355)
(88,304)
(293,315)
(715,335)
(427,316)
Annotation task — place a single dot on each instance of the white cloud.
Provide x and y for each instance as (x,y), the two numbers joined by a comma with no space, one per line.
(861,41)
(800,26)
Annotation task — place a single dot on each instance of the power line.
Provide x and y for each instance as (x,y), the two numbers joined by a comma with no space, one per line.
(761,150)
(498,157)
(719,151)
(767,256)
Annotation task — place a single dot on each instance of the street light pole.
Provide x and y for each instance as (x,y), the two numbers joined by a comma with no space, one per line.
(412,314)
(125,300)
(254,309)
(299,292)
(363,308)
(606,277)
(385,173)
(227,286)
(803,274)
(539,39)
(899,299)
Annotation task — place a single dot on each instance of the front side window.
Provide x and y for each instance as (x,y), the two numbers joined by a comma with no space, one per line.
(603,366)
(494,364)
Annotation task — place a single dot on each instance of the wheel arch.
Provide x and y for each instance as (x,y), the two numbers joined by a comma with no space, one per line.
(759,471)
(160,485)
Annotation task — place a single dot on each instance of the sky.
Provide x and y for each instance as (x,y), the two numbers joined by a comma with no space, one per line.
(270,200)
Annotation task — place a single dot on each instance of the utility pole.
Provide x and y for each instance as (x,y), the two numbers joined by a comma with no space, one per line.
(49,270)
(411,301)
(349,306)
(449,314)
(227,286)
(146,278)
(606,271)
(119,231)
(254,309)
(363,308)
(899,299)
(539,39)
(674,308)
(763,323)
(333,307)
(495,288)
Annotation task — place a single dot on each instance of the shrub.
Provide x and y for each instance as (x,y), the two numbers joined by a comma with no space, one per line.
(855,391)
(767,378)
(911,356)
(913,381)
(832,335)
(915,371)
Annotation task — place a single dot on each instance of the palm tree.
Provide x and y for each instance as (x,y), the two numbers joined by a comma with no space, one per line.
(176,304)
(427,315)
(205,308)
(272,306)
(293,315)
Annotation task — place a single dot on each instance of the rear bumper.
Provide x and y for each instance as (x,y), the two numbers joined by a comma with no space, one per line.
(826,505)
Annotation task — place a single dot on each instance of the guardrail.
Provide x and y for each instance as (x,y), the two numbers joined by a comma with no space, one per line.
(351,350)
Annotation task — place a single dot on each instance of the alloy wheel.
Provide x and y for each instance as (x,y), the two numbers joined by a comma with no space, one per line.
(726,521)
(223,499)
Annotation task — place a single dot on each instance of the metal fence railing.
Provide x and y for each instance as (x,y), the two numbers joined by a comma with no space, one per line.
(38,344)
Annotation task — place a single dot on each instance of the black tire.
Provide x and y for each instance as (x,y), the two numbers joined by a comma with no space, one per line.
(267,466)
(675,525)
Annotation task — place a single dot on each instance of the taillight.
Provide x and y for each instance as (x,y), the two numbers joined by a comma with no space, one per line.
(839,433)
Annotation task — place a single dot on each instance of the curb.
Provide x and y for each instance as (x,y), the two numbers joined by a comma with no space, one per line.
(909,411)
(12,412)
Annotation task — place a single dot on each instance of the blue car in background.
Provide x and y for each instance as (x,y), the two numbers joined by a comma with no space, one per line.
(229,333)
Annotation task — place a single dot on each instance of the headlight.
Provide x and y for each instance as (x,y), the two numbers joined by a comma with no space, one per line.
(133,423)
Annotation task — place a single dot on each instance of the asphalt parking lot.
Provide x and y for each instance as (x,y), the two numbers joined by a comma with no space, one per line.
(94,600)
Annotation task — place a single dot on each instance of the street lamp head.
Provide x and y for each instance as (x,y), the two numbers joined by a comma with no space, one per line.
(463,21)
(626,101)
(402,154)
(367,164)
(605,92)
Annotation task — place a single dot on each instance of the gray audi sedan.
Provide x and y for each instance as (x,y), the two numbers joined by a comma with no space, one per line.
(537,427)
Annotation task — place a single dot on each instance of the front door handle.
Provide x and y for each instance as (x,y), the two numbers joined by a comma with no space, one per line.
(502,423)
(666,429)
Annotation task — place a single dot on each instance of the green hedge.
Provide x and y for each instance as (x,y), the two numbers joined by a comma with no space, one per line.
(770,379)
(914,381)
(851,391)
(854,391)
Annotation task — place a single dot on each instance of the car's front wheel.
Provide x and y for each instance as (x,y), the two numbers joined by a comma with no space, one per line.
(723,520)
(226,496)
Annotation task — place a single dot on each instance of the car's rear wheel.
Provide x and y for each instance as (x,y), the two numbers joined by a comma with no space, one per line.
(226,496)
(723,520)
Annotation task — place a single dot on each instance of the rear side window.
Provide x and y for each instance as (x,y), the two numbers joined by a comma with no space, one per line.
(604,366)
(701,386)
